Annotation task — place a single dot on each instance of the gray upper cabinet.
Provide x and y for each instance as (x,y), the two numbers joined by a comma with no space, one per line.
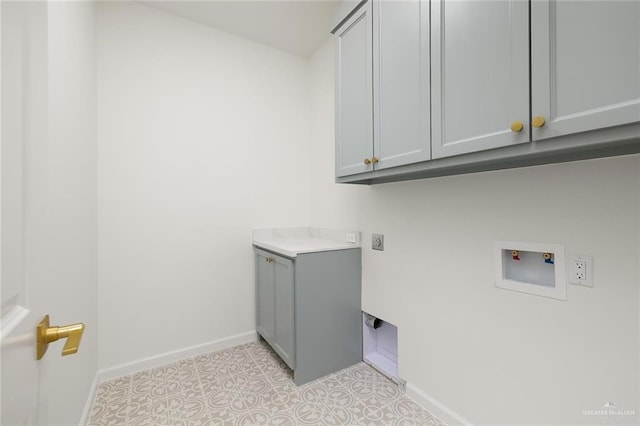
(479,75)
(354,105)
(472,85)
(585,65)
(382,87)
(401,82)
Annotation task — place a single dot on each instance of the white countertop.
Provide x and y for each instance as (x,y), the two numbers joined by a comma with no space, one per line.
(290,242)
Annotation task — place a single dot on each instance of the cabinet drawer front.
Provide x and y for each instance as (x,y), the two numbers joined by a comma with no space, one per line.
(585,65)
(354,107)
(480,75)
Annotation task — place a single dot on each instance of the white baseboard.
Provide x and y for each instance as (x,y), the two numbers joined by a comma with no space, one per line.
(162,359)
(435,407)
(169,357)
(87,405)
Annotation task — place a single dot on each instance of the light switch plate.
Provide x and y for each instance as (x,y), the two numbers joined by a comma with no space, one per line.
(377,242)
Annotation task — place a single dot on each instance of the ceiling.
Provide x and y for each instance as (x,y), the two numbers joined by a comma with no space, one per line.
(298,26)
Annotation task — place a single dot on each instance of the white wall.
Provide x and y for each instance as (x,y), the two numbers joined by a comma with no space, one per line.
(492,355)
(202,137)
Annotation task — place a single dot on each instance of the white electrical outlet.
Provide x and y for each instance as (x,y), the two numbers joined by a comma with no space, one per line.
(351,237)
(581,270)
(377,242)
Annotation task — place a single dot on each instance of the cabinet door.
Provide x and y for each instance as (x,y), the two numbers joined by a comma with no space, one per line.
(401,82)
(480,75)
(354,107)
(265,295)
(284,326)
(585,65)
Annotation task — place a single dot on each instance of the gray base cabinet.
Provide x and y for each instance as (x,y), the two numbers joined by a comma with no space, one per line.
(308,309)
(274,289)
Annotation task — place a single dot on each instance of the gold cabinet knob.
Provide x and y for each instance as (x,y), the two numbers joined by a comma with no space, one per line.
(516,126)
(367,161)
(46,334)
(374,160)
(538,121)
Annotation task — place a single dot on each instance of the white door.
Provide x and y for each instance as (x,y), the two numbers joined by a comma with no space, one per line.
(585,59)
(47,204)
(20,373)
(19,369)
(479,75)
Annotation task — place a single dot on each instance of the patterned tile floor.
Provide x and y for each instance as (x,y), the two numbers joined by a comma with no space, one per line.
(250,385)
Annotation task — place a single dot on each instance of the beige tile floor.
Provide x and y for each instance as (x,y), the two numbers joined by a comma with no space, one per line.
(250,385)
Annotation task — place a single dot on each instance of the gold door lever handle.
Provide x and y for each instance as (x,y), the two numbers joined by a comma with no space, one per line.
(46,335)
